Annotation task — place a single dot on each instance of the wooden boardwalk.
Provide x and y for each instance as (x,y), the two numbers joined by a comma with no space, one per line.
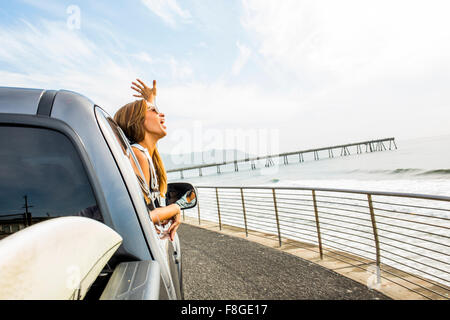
(395,284)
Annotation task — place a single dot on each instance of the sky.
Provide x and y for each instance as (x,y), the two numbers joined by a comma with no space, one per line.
(261,76)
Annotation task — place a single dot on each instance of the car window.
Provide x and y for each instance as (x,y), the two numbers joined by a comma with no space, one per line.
(108,124)
(41,177)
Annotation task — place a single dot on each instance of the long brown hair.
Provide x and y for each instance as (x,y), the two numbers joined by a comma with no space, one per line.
(131,118)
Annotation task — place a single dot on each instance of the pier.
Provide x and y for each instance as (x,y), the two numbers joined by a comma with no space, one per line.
(345,150)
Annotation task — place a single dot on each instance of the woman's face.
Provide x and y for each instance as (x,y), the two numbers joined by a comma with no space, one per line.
(154,123)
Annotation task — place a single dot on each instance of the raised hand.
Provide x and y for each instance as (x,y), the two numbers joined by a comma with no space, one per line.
(145,92)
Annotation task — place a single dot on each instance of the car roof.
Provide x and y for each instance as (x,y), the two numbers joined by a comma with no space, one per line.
(32,101)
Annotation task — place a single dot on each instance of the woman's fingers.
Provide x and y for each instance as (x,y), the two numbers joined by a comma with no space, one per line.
(137,89)
(137,86)
(172,233)
(146,92)
(142,83)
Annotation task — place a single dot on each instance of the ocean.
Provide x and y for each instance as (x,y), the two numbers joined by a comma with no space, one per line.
(418,166)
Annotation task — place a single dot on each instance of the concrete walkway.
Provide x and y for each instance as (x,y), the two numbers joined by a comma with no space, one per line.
(218,266)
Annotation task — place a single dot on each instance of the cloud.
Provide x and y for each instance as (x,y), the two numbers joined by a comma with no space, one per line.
(358,67)
(244,55)
(46,54)
(334,41)
(49,55)
(169,11)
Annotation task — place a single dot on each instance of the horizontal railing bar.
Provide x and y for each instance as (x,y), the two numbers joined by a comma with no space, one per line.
(291,201)
(312,235)
(410,205)
(376,193)
(252,214)
(334,236)
(292,195)
(255,208)
(261,228)
(342,254)
(297,219)
(430,281)
(264,222)
(351,234)
(410,236)
(343,198)
(231,205)
(297,210)
(313,223)
(342,215)
(348,204)
(429,274)
(338,242)
(350,253)
(231,220)
(412,214)
(346,210)
(411,221)
(287,224)
(347,222)
(413,252)
(228,214)
(416,230)
(344,227)
(416,284)
(414,245)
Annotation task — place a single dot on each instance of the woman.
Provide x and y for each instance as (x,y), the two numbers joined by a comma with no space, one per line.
(144,125)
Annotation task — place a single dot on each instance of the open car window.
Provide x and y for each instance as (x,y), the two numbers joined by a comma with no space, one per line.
(107,123)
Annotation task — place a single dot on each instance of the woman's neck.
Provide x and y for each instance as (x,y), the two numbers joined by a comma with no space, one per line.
(149,143)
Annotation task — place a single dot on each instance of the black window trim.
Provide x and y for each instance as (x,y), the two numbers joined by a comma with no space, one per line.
(46,101)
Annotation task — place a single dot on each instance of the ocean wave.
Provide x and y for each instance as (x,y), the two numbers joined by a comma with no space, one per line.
(405,171)
(437,171)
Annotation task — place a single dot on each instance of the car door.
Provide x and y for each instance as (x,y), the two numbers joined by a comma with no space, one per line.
(162,250)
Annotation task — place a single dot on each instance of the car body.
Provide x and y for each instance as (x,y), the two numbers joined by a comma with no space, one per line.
(61,153)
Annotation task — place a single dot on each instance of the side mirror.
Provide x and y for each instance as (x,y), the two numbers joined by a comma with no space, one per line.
(179,190)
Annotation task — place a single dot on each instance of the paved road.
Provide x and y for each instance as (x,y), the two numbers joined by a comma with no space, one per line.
(217,266)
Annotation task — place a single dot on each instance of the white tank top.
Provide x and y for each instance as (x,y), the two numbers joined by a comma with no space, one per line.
(154,186)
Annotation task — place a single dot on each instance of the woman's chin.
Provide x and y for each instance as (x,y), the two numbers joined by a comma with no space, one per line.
(163,132)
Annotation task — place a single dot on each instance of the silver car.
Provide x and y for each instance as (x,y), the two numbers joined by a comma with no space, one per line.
(62,155)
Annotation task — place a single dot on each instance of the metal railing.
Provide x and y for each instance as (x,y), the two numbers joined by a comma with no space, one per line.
(406,236)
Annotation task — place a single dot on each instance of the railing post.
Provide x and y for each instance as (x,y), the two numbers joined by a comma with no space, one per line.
(375,235)
(245,216)
(276,216)
(218,209)
(316,212)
